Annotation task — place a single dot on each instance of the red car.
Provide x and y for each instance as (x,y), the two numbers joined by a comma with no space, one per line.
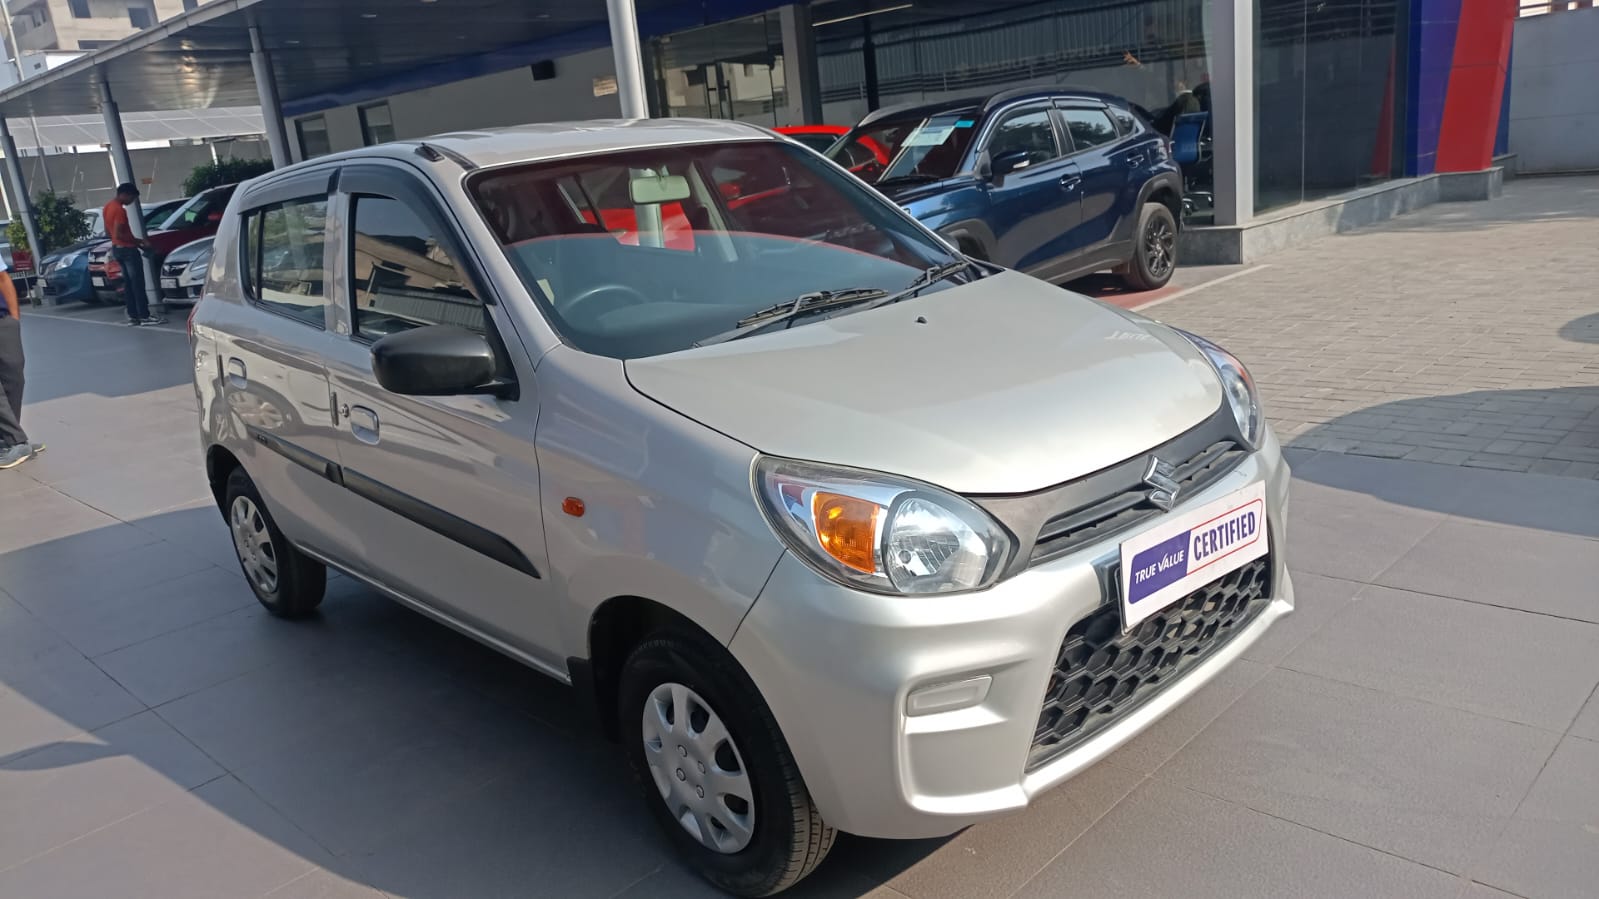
(864,156)
(198,217)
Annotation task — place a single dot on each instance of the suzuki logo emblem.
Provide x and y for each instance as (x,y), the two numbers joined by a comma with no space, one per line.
(1162,478)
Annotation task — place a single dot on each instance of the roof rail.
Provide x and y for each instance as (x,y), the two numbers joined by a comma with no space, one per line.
(435,154)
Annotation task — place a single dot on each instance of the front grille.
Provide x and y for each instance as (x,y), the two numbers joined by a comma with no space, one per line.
(172,269)
(1102,674)
(1075,528)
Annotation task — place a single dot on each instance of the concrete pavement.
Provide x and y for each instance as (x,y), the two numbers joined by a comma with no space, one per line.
(1425,725)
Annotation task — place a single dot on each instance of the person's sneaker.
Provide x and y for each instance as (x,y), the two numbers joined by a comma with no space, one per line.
(16,455)
(37,447)
(155,320)
(134,323)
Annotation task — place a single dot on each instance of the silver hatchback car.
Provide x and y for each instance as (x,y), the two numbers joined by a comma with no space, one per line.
(835,528)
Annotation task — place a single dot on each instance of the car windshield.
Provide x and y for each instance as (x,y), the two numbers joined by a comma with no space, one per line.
(197,209)
(155,217)
(920,148)
(645,252)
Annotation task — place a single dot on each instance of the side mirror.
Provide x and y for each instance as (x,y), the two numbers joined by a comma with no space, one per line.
(437,360)
(984,169)
(1009,161)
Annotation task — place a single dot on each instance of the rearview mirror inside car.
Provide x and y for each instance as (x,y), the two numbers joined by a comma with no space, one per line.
(437,360)
(653,190)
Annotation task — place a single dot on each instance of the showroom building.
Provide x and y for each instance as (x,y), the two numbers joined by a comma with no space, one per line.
(1288,102)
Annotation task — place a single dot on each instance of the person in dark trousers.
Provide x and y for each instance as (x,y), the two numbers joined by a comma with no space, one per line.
(129,253)
(14,446)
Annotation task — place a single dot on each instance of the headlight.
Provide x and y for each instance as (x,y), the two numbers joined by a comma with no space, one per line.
(881,533)
(198,269)
(1236,384)
(68,259)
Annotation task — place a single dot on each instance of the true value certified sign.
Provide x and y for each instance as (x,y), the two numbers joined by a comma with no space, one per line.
(1187,551)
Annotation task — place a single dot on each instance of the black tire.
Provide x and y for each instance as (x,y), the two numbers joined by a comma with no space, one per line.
(789,836)
(299,582)
(1151,268)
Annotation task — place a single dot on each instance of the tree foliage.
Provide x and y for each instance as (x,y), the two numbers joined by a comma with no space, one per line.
(58,218)
(224,171)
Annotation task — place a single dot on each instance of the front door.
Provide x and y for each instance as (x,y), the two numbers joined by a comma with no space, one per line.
(1034,206)
(451,519)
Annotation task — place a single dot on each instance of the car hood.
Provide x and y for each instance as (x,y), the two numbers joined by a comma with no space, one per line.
(1004,385)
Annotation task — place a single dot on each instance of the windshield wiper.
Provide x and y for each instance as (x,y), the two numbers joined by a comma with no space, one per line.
(789,310)
(926,279)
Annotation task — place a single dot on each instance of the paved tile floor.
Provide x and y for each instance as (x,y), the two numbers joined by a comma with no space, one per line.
(1425,725)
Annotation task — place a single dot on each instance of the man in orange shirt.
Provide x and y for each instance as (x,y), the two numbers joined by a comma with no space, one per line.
(129,253)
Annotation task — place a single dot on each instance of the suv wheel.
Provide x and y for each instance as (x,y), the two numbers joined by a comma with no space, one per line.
(1154,249)
(288,582)
(714,768)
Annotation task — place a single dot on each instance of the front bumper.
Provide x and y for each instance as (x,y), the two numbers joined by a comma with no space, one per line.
(839,667)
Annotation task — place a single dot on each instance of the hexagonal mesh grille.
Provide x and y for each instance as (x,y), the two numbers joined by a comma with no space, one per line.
(1102,674)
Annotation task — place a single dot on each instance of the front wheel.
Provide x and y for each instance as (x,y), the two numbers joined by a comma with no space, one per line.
(714,767)
(1154,249)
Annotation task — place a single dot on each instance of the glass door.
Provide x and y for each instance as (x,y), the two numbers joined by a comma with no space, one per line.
(731,70)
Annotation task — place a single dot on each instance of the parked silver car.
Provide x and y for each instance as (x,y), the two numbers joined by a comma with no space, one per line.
(834,527)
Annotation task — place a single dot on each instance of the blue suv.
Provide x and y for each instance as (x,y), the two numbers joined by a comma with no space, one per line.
(1055,183)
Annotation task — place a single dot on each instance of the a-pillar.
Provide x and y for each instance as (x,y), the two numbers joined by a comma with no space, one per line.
(23,204)
(629,63)
(1232,109)
(122,168)
(266,90)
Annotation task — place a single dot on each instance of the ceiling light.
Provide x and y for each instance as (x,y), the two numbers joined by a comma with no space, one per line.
(369,15)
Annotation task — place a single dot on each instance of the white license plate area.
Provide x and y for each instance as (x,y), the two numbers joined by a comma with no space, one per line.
(1189,550)
(99,282)
(169,283)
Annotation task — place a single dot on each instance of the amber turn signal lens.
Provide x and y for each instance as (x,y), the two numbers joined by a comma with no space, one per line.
(573,507)
(847,529)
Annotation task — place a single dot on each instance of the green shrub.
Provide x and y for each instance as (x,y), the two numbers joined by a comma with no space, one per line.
(224,171)
(58,219)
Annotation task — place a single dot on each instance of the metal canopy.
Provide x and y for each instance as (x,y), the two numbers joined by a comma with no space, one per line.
(201,59)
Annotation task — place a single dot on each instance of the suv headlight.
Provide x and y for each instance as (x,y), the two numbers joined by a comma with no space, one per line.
(881,533)
(1236,384)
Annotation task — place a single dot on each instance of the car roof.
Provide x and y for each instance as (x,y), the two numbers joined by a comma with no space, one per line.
(556,140)
(987,103)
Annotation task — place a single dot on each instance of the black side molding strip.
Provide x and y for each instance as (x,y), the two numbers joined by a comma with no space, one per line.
(452,527)
(299,455)
(440,522)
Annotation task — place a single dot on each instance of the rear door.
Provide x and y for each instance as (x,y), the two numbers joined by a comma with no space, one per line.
(450,517)
(1032,209)
(1100,157)
(269,352)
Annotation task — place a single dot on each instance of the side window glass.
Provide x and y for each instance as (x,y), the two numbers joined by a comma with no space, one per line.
(1029,131)
(403,276)
(1089,127)
(283,259)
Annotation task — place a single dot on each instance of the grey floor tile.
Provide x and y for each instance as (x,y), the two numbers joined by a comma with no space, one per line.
(1513,567)
(548,823)
(995,858)
(1353,543)
(1317,600)
(60,552)
(1419,780)
(66,789)
(1551,849)
(1164,841)
(48,690)
(1587,723)
(1339,479)
(1518,666)
(199,527)
(323,884)
(1481,891)
(94,577)
(1150,749)
(98,624)
(219,840)
(132,492)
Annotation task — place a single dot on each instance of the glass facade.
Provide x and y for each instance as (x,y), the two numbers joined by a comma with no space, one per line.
(731,70)
(1325,98)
